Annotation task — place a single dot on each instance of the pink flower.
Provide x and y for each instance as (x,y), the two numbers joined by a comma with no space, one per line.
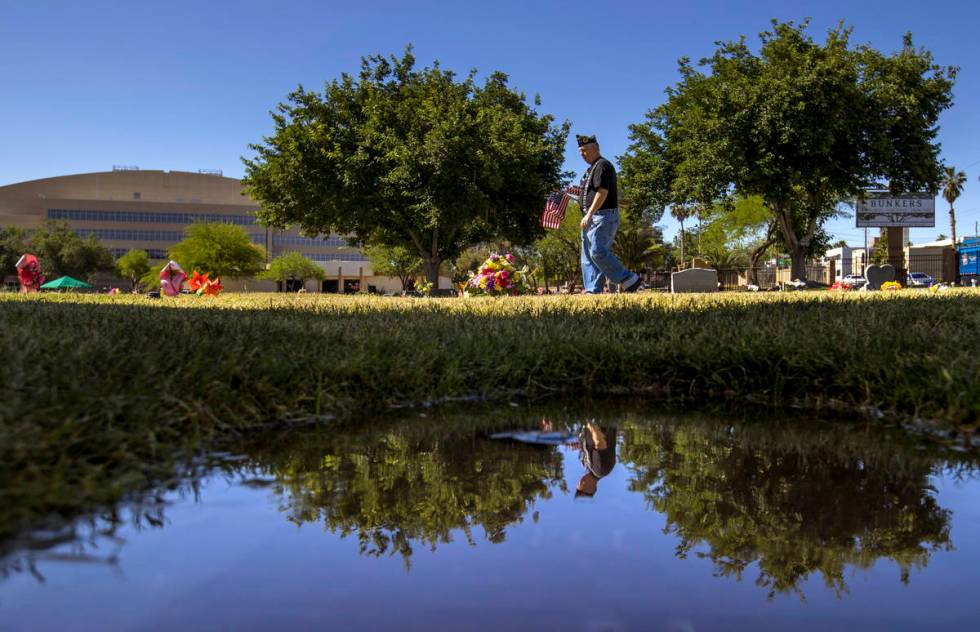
(504,274)
(510,257)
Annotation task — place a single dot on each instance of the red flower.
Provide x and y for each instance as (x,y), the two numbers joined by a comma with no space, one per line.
(198,281)
(212,288)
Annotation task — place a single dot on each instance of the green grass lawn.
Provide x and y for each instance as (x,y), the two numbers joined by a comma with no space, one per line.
(99,392)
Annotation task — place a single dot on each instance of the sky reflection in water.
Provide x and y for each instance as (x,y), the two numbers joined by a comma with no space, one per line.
(697,523)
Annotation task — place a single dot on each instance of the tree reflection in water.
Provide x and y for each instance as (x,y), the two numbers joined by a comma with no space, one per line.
(795,499)
(408,484)
(792,498)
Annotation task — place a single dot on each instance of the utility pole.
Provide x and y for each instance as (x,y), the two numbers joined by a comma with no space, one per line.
(864,257)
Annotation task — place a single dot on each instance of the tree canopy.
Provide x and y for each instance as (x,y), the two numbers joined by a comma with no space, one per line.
(403,485)
(409,157)
(62,251)
(397,261)
(292,265)
(14,242)
(221,250)
(804,125)
(133,266)
(788,500)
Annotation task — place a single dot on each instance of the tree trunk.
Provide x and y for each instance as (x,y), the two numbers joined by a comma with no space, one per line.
(700,230)
(682,245)
(752,278)
(952,224)
(797,262)
(432,271)
(432,261)
(793,245)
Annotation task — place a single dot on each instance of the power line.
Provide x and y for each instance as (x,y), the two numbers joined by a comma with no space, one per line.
(977,162)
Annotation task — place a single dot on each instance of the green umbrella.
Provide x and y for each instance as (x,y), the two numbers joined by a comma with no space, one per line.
(65,282)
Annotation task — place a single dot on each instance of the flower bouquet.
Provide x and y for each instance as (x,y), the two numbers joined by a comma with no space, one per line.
(203,286)
(498,276)
(423,286)
(891,286)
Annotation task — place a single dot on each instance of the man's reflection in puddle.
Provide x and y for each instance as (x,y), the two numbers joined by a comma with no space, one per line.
(596,444)
(597,451)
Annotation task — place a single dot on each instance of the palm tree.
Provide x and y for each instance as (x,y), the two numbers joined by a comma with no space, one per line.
(699,210)
(952,182)
(680,213)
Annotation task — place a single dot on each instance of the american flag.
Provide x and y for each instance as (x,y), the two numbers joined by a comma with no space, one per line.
(554,208)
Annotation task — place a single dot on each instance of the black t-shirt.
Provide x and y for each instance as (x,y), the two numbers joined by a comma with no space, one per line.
(599,462)
(603,177)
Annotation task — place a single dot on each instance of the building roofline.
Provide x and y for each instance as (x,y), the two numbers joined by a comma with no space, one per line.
(118,172)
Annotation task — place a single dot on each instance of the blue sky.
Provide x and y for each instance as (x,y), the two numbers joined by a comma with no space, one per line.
(188,85)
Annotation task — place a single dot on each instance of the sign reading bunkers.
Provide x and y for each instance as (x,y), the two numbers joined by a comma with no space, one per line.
(880,209)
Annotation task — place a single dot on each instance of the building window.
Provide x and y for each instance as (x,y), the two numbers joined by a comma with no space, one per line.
(335,256)
(153,253)
(333,241)
(142,217)
(136,195)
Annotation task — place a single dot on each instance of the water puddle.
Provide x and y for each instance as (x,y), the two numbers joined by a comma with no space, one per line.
(589,521)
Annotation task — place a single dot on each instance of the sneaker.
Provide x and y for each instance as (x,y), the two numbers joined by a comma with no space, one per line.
(635,286)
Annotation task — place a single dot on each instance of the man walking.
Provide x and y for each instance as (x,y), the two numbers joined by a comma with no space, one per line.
(600,203)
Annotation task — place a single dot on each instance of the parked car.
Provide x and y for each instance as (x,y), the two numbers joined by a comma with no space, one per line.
(855,281)
(919,279)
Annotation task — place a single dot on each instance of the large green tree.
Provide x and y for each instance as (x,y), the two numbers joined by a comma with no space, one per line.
(733,231)
(62,251)
(133,266)
(222,250)
(804,125)
(292,265)
(14,242)
(402,485)
(409,157)
(397,261)
(789,500)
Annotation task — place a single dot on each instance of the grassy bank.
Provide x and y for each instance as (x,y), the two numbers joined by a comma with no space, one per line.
(104,391)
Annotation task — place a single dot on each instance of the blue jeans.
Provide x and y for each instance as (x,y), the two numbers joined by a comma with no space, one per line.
(598,261)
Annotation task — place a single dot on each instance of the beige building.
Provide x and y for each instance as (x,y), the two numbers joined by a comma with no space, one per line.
(129,208)
(842,261)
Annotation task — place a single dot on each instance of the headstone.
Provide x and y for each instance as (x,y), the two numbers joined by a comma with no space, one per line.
(694,280)
(877,275)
